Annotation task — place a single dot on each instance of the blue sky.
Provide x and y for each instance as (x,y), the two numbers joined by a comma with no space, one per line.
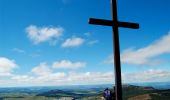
(49,42)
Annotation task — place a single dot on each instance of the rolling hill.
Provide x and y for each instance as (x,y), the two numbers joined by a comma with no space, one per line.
(130,92)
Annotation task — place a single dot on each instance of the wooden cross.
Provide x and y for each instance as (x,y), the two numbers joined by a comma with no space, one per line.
(115,25)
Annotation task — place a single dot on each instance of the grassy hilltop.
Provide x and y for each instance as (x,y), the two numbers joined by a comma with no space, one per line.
(131,92)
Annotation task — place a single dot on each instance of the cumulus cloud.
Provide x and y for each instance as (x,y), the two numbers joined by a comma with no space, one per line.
(63,78)
(91,77)
(43,34)
(151,75)
(46,76)
(6,66)
(45,79)
(60,78)
(41,69)
(52,77)
(73,42)
(68,64)
(22,78)
(43,75)
(145,55)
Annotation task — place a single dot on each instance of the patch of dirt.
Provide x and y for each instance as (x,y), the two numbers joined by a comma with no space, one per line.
(141,97)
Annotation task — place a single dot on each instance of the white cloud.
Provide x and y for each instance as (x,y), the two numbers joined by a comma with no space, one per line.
(50,78)
(71,78)
(6,66)
(93,42)
(18,50)
(60,78)
(91,77)
(43,34)
(22,78)
(41,79)
(41,69)
(145,55)
(73,42)
(151,75)
(68,64)
(44,76)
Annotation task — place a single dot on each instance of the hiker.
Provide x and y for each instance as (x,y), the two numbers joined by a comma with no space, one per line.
(107,94)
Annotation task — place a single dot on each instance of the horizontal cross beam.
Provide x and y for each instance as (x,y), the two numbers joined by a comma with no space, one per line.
(110,23)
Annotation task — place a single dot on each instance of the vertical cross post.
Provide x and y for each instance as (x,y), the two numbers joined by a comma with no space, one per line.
(117,68)
(115,28)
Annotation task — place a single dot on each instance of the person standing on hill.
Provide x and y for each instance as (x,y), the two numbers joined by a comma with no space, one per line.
(107,94)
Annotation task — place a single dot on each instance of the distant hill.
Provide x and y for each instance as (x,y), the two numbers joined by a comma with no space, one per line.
(156,85)
(77,94)
(130,92)
(158,95)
